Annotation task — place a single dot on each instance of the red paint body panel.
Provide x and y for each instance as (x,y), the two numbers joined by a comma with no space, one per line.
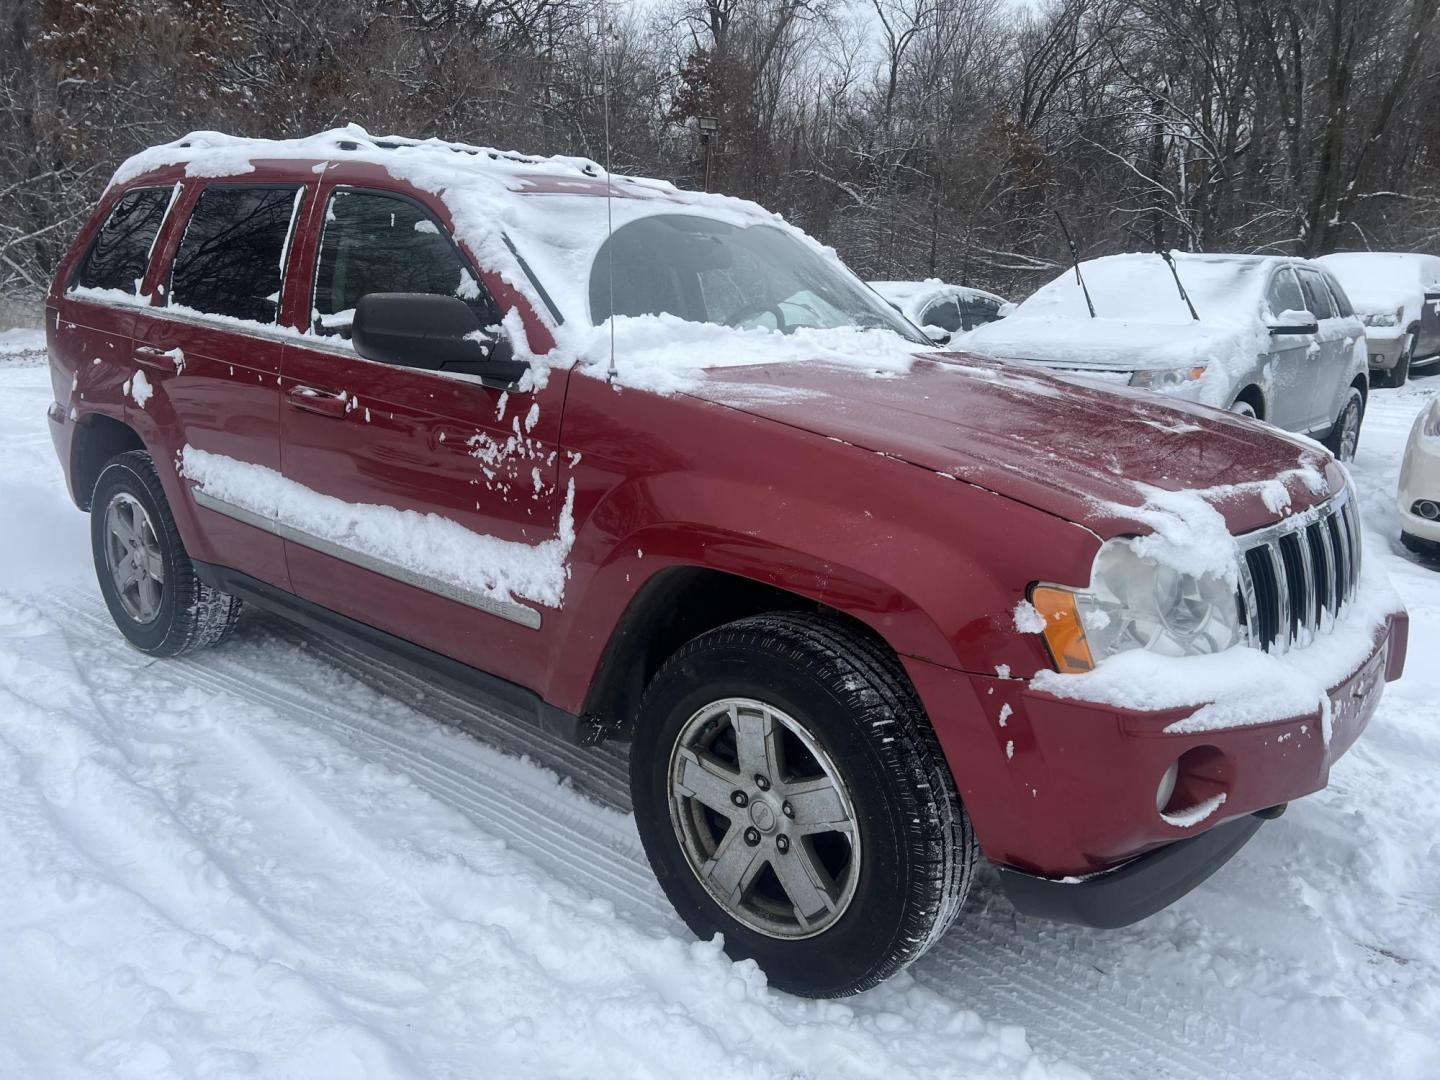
(923,506)
(1078,794)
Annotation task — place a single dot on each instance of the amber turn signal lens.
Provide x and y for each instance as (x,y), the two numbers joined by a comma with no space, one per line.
(1064,634)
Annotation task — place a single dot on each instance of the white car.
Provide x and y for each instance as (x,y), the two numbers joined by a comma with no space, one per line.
(952,308)
(1397,296)
(1419,497)
(1269,337)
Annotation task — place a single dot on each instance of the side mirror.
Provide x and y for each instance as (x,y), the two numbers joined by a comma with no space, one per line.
(938,334)
(1005,309)
(1293,321)
(432,333)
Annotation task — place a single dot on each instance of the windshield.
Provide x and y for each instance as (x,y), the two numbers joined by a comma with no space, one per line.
(709,271)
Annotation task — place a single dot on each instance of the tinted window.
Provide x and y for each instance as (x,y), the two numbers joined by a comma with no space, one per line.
(977,311)
(703,270)
(381,243)
(121,252)
(945,314)
(1284,294)
(1317,296)
(229,262)
(1343,307)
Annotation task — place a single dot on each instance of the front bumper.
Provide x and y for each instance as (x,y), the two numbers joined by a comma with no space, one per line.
(1059,789)
(1385,345)
(1419,479)
(1139,888)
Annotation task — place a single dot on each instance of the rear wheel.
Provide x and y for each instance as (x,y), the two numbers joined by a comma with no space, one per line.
(147,579)
(791,796)
(1344,436)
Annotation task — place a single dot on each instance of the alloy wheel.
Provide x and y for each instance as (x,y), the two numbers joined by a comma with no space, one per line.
(764,818)
(133,558)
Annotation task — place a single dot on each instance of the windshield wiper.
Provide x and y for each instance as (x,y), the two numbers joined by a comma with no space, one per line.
(1075,258)
(1170,262)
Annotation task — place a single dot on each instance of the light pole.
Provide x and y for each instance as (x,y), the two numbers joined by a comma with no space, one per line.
(708,126)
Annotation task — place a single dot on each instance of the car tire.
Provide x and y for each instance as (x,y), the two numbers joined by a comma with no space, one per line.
(145,575)
(1241,407)
(833,714)
(1344,435)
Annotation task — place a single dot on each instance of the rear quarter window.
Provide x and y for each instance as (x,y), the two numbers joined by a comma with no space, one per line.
(120,253)
(230,260)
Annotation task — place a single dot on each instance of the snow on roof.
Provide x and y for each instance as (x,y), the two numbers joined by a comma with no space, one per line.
(518,214)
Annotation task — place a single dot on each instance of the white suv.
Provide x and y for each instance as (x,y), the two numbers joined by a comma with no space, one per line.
(1270,337)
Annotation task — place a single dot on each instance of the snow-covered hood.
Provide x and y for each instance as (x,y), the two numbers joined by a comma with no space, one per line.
(1084,452)
(1113,344)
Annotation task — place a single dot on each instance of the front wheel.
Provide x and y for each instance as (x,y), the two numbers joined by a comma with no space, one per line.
(1344,437)
(791,796)
(145,575)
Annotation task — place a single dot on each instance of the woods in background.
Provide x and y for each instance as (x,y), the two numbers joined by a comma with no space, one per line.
(919,137)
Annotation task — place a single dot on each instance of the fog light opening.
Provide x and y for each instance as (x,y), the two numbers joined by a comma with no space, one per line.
(1427,509)
(1166,787)
(1198,781)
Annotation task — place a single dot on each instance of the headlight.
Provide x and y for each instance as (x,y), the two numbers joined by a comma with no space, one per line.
(1166,378)
(1384,320)
(1134,602)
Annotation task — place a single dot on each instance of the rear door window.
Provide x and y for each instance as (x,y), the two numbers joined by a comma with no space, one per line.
(1317,295)
(377,243)
(231,258)
(120,254)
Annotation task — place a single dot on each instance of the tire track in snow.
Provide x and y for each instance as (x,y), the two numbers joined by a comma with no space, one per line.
(1053,981)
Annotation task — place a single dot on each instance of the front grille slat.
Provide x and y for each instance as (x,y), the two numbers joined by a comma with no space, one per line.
(1297,576)
(1344,557)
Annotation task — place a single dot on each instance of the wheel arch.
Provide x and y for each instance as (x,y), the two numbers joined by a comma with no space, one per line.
(1255,397)
(676,605)
(98,438)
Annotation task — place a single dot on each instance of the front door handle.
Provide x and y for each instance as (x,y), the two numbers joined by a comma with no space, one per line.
(321,402)
(167,362)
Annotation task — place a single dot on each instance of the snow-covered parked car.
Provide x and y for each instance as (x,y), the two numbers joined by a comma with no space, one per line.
(1269,337)
(1419,496)
(866,611)
(1397,296)
(953,309)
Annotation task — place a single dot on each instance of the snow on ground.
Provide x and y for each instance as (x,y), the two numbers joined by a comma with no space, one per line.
(280,859)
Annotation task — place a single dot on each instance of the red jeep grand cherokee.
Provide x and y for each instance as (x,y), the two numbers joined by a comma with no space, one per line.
(653,465)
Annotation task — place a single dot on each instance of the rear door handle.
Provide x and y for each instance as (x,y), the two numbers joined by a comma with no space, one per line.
(158,359)
(321,402)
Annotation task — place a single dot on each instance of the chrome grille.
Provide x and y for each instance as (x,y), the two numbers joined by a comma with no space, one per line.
(1296,576)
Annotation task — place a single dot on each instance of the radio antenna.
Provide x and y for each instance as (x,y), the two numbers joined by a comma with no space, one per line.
(609,187)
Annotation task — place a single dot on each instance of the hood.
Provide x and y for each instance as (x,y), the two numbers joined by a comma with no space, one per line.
(1113,344)
(1082,451)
